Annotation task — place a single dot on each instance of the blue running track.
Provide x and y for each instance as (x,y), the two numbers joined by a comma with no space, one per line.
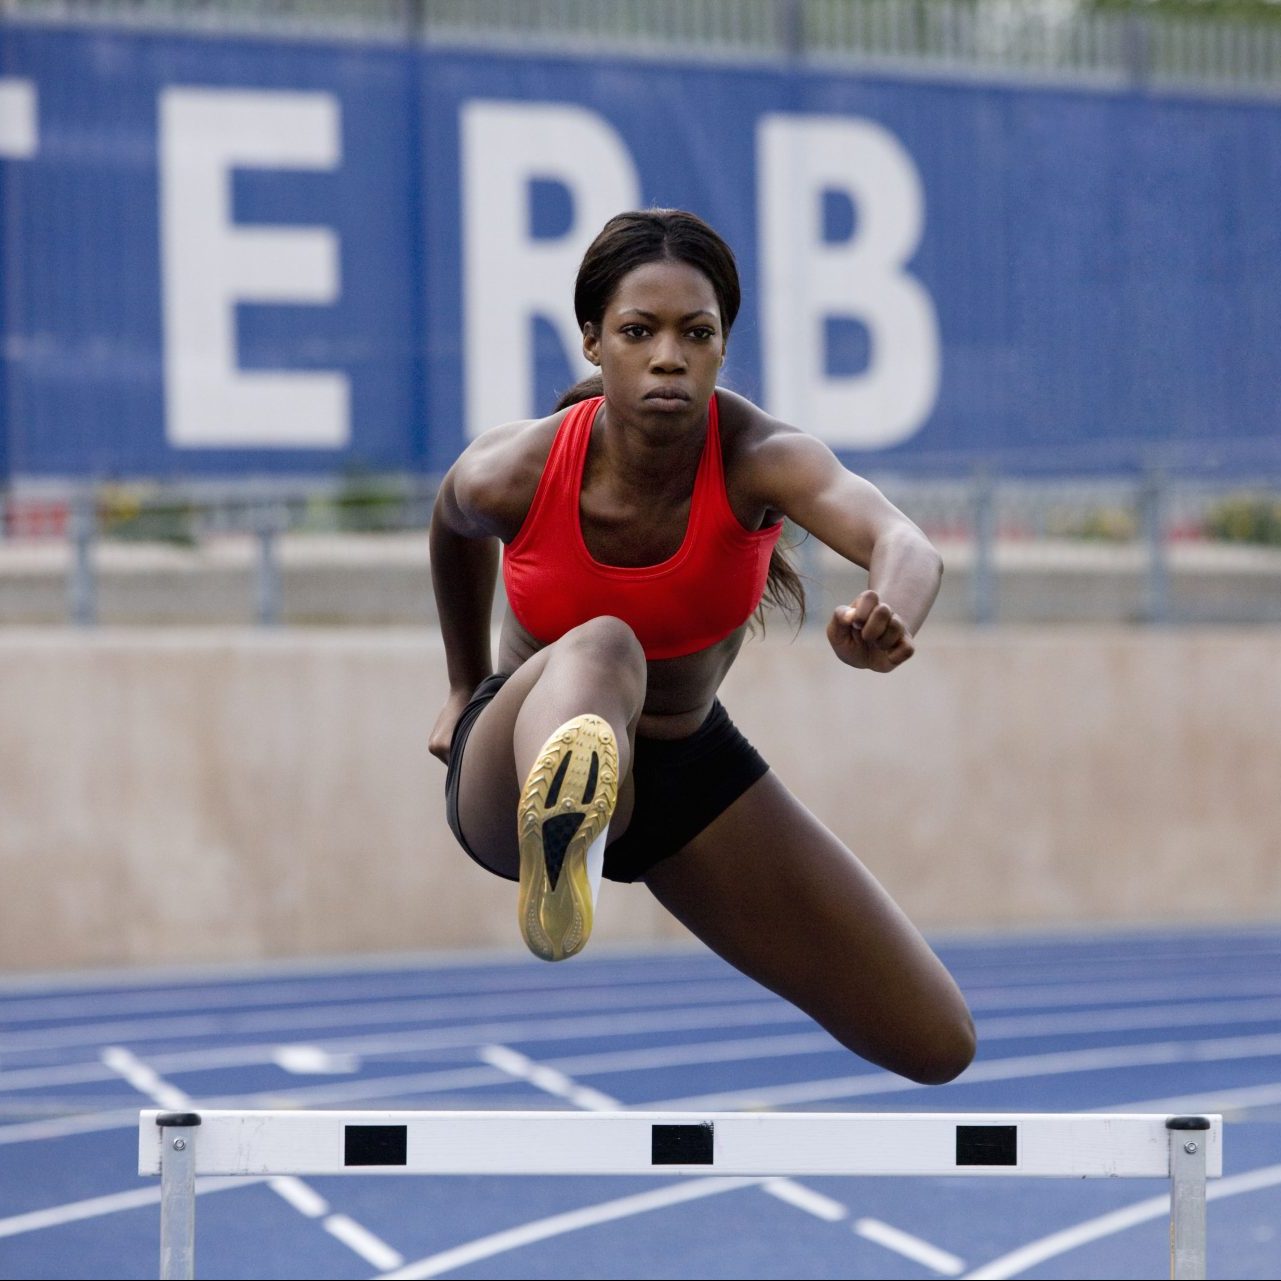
(1169,1021)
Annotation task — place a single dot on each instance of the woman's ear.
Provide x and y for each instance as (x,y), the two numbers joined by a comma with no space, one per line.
(591,343)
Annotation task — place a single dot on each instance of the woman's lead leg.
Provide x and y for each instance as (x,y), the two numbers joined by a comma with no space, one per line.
(562,725)
(770,889)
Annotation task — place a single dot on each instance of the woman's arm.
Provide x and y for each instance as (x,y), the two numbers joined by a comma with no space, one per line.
(464,570)
(802,478)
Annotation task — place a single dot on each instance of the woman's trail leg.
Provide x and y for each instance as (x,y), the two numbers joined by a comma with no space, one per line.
(770,889)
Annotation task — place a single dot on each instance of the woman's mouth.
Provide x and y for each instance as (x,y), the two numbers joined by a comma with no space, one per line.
(668,395)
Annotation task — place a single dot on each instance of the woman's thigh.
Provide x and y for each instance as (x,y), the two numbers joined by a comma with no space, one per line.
(770,889)
(488,785)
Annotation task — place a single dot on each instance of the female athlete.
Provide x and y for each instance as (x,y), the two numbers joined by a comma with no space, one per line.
(639,531)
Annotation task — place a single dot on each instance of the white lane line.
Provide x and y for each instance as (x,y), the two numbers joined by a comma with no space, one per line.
(376,978)
(1098,994)
(293,1191)
(62,1127)
(1144,1017)
(19,118)
(1048,1247)
(306,1200)
(382,1087)
(329,989)
(664,1056)
(310,1060)
(562,1086)
(451,1028)
(803,1198)
(1020,1066)
(1242,1099)
(94,1207)
(355,1237)
(572,1221)
(1224,1050)
(143,1078)
(910,1247)
(301,1058)
(547,1079)
(585,1027)
(278,1022)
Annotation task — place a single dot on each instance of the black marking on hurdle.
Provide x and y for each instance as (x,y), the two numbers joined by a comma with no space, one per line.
(375,1145)
(987,1145)
(682,1144)
(178,1120)
(1187,1123)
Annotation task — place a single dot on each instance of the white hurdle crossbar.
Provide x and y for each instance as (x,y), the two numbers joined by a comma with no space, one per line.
(178,1146)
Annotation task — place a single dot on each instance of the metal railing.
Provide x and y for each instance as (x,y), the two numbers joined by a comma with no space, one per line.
(1038,39)
(1158,548)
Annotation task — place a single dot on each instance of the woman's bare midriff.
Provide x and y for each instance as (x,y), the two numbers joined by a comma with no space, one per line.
(679,691)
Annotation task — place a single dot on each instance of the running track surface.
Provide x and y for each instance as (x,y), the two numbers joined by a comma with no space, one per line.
(1166,1021)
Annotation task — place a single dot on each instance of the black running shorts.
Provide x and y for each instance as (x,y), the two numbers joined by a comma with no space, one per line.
(681,785)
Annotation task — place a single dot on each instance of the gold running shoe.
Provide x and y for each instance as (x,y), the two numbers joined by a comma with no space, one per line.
(565,806)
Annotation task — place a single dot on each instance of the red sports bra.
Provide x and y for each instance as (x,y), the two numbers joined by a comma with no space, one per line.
(699,596)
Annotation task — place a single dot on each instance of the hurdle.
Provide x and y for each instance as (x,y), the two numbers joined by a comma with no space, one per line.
(178,1146)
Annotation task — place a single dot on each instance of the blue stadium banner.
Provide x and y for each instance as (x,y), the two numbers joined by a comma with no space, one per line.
(230,256)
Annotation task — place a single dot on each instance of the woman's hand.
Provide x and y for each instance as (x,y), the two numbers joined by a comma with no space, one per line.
(869,634)
(442,733)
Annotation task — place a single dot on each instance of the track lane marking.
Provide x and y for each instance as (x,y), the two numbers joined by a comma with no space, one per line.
(469,1036)
(547,1079)
(1059,1063)
(1255,1010)
(362,1012)
(910,1247)
(112,1203)
(1083,996)
(357,1237)
(296,1193)
(1137,1055)
(570,1221)
(334,988)
(1067,1239)
(562,1086)
(805,1198)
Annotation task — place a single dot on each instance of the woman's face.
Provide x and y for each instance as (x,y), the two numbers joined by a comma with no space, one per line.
(659,345)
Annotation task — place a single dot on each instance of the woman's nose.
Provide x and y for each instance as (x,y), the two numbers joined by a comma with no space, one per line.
(667,353)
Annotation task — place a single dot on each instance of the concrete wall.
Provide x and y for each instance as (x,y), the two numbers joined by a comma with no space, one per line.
(204,795)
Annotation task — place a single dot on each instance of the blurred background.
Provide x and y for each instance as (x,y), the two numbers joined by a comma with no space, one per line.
(267,265)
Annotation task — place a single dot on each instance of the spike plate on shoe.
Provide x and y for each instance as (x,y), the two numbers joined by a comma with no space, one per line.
(565,804)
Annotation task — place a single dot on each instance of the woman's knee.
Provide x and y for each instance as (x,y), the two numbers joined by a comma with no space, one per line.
(948,1051)
(607,640)
(938,1050)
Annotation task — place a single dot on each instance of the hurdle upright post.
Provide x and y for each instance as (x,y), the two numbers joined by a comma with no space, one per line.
(1187,1196)
(178,1195)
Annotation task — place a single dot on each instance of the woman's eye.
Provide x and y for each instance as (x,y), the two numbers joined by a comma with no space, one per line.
(702,333)
(635,331)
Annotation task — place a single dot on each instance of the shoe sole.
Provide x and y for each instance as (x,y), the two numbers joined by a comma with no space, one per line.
(564,806)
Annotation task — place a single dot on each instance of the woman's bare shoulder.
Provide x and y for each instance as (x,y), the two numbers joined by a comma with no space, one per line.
(756,445)
(496,476)
(745,426)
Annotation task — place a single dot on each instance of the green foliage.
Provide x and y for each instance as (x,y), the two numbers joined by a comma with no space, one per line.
(1218,10)
(368,503)
(1246,518)
(128,514)
(1100,524)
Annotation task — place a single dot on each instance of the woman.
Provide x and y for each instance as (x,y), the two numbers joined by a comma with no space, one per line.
(640,531)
